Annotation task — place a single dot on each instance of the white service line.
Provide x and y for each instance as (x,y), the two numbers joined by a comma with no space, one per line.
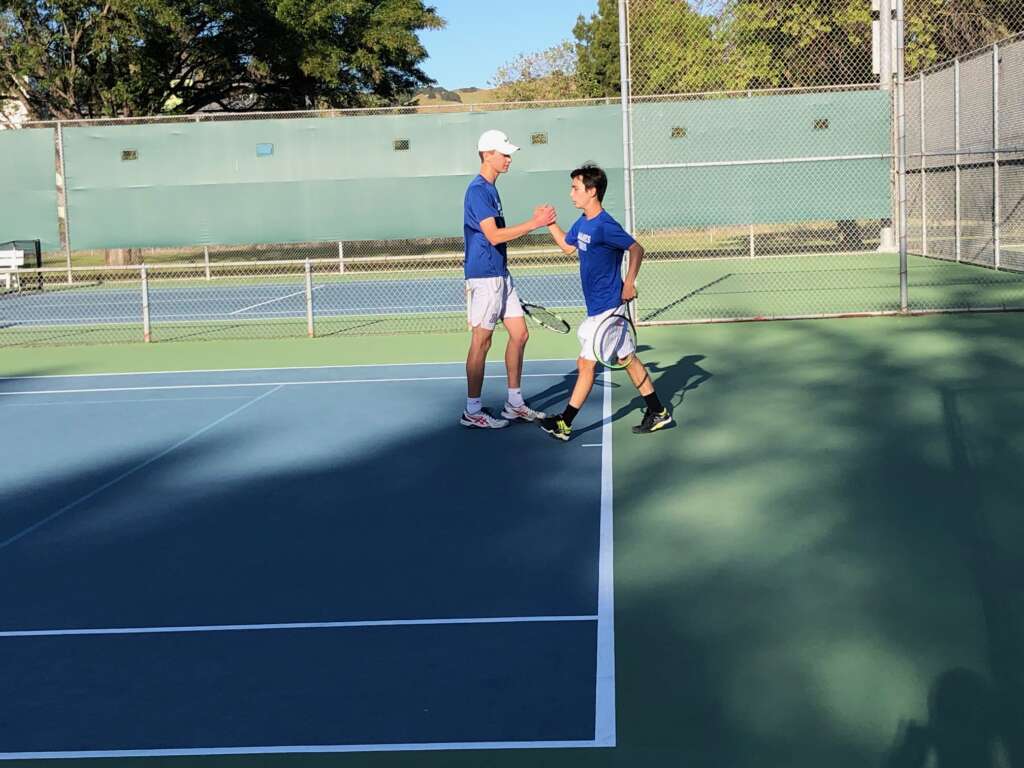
(267,368)
(304,749)
(159,387)
(292,626)
(68,507)
(48,403)
(268,301)
(604,726)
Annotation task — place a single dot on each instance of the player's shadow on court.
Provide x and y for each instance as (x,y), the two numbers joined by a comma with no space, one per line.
(962,730)
(671,382)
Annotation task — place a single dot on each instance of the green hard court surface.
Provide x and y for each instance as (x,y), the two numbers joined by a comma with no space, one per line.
(819,566)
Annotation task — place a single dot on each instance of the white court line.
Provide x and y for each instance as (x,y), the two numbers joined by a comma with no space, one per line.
(68,507)
(268,301)
(271,368)
(324,313)
(605,696)
(242,385)
(132,400)
(592,445)
(294,625)
(301,749)
(604,726)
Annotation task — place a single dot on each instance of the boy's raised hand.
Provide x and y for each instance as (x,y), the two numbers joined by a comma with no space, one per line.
(543,215)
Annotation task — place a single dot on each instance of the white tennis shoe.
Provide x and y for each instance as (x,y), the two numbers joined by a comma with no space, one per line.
(482,420)
(520,412)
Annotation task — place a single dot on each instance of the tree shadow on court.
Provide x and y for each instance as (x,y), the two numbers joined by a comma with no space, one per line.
(294,511)
(814,559)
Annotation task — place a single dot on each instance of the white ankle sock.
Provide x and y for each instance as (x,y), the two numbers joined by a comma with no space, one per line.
(515,397)
(472,405)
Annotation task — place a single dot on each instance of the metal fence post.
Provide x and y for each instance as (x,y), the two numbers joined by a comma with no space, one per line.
(309,299)
(924,176)
(147,335)
(750,235)
(956,157)
(64,199)
(206,260)
(626,95)
(996,213)
(341,257)
(901,120)
(885,72)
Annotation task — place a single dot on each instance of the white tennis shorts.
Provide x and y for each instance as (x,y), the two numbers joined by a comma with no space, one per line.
(490,299)
(623,344)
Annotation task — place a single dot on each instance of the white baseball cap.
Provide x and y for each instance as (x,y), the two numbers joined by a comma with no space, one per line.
(496,141)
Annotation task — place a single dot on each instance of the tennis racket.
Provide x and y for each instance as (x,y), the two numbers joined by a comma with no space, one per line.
(615,339)
(545,318)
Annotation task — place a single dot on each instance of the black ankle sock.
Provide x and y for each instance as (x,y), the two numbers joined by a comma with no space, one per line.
(653,403)
(569,414)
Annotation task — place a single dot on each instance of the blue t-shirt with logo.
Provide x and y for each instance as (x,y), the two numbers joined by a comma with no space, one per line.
(600,242)
(482,258)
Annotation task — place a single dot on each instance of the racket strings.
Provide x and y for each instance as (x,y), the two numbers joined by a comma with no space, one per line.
(616,341)
(546,318)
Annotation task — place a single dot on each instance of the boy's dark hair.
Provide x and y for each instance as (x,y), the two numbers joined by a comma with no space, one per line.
(593,178)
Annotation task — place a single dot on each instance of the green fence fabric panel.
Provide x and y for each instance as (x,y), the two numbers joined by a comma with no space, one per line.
(791,126)
(326,179)
(28,191)
(762,127)
(320,179)
(746,194)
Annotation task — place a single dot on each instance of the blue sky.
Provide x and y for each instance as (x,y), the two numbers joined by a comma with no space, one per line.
(474,43)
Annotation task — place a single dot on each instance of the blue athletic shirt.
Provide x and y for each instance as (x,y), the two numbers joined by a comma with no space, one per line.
(482,258)
(600,242)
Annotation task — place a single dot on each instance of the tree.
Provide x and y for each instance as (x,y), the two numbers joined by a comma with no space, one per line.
(674,47)
(678,48)
(787,43)
(940,30)
(782,43)
(545,76)
(71,59)
(597,52)
(706,45)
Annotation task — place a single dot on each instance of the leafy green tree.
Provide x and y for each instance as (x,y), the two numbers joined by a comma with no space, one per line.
(940,30)
(792,43)
(675,47)
(543,76)
(597,52)
(80,58)
(787,43)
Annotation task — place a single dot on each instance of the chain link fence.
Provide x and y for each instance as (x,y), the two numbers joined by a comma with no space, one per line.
(965,163)
(753,155)
(360,295)
(761,150)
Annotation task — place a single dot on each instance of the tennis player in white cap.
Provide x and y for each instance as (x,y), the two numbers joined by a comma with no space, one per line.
(490,293)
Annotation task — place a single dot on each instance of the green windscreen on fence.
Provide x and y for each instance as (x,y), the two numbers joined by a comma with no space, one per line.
(320,179)
(814,135)
(27,187)
(378,177)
